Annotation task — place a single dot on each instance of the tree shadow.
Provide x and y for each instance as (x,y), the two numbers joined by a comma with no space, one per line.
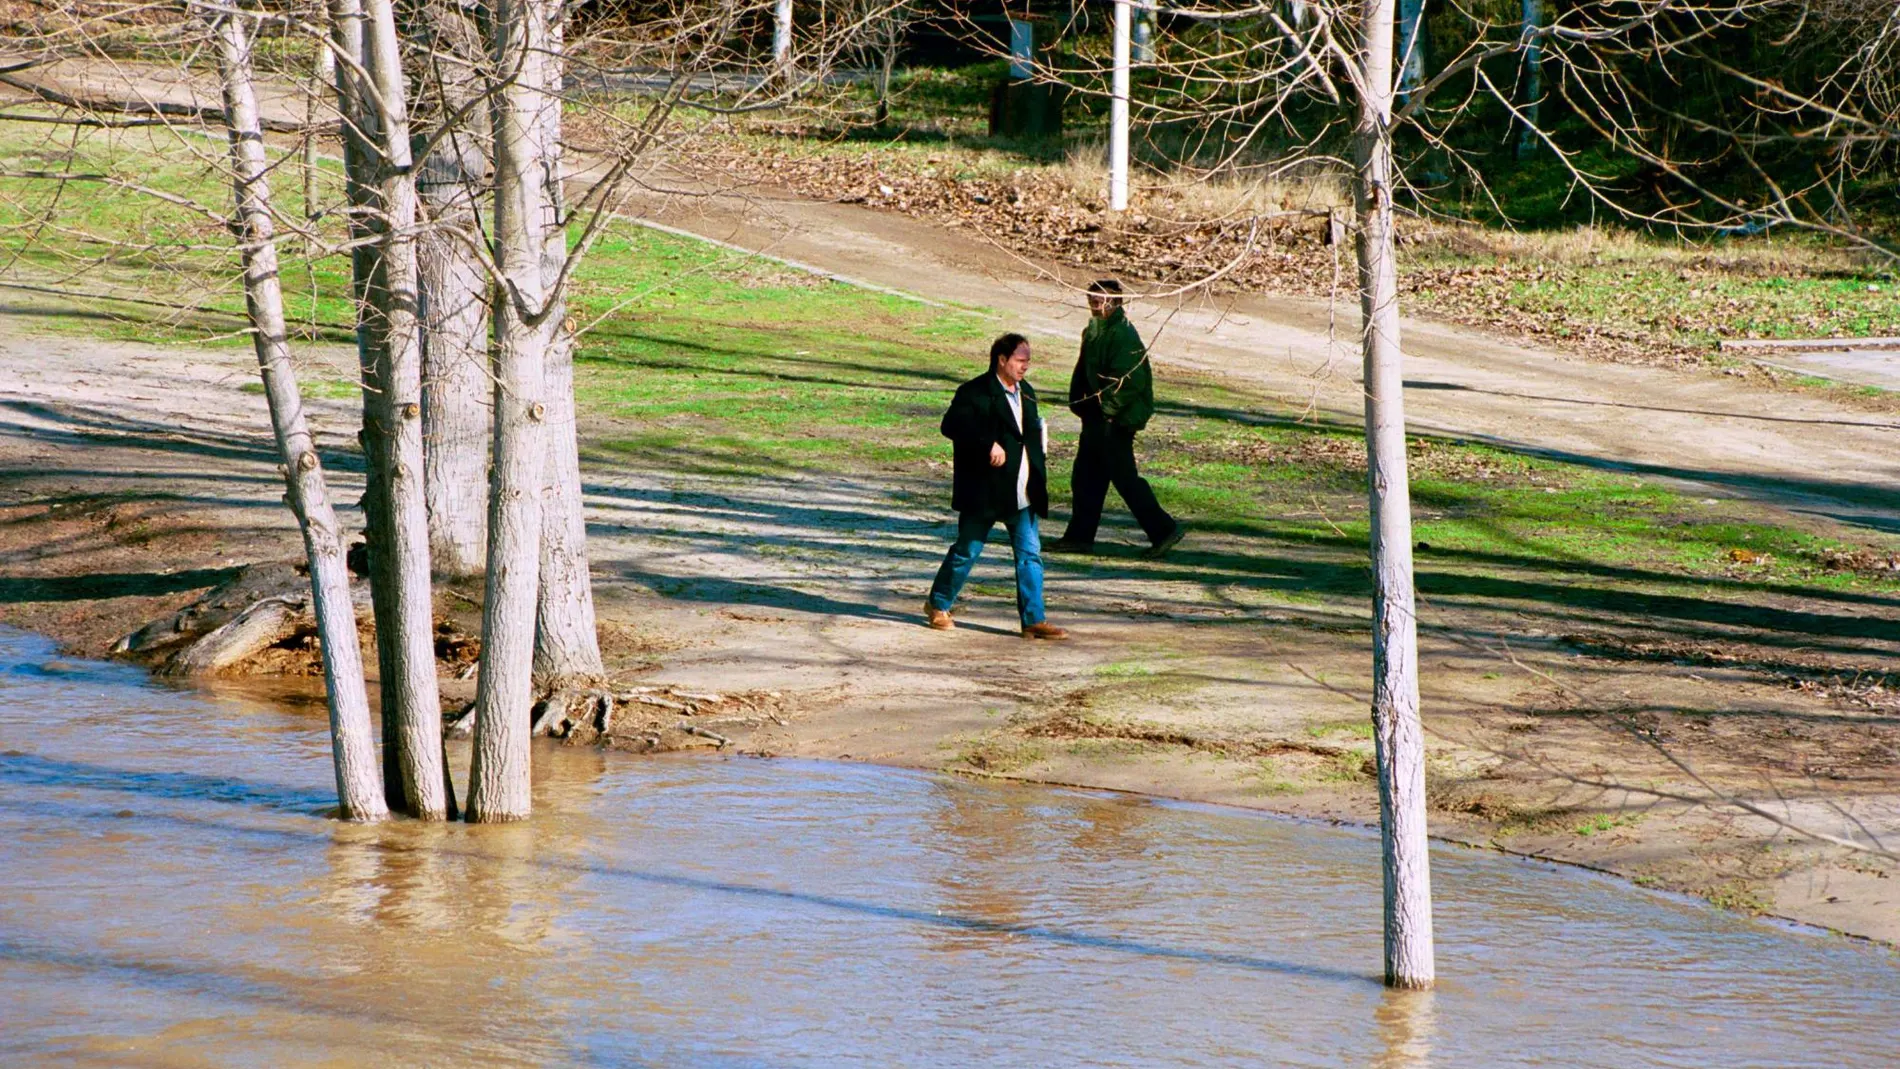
(109,585)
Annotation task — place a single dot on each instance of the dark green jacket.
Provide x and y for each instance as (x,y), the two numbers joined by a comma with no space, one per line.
(1113,380)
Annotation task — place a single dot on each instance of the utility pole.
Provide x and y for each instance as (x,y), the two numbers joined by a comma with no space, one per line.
(1118,112)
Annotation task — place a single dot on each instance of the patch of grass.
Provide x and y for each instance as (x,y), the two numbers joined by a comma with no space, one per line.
(1270,779)
(1349,768)
(1124,670)
(999,754)
(1358,729)
(1602,822)
(1583,281)
(103,236)
(313,386)
(1736,896)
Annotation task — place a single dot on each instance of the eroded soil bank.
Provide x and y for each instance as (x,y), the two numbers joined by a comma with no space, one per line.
(133,478)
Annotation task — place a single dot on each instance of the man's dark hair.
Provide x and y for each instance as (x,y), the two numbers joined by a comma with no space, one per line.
(1107,287)
(1003,347)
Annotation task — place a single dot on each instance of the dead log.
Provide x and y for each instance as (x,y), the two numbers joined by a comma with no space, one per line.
(257,628)
(461,724)
(695,729)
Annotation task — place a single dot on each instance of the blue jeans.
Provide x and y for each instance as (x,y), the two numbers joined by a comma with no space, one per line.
(973,530)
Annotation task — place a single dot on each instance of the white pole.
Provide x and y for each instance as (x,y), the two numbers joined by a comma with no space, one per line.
(782,34)
(1118,114)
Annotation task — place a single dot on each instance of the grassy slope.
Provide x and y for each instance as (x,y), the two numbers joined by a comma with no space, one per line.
(701,361)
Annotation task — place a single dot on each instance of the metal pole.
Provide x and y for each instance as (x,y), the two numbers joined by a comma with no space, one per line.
(1118,114)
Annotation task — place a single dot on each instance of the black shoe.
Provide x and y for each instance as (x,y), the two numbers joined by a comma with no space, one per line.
(1064,546)
(1160,549)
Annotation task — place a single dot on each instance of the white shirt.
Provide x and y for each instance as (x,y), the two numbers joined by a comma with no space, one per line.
(1022,473)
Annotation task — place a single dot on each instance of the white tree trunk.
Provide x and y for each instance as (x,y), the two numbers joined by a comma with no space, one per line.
(1398,734)
(392,437)
(500,779)
(358,786)
(565,643)
(454,290)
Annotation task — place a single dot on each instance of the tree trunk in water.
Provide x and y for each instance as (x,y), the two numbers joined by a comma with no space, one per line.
(358,787)
(392,438)
(454,290)
(1398,733)
(565,642)
(500,778)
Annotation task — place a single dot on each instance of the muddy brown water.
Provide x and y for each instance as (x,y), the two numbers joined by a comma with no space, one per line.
(172,894)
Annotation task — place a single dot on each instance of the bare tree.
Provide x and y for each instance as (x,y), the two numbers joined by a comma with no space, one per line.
(500,778)
(396,507)
(359,790)
(1398,734)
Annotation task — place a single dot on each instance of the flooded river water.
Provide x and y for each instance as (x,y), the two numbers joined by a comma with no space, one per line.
(170,894)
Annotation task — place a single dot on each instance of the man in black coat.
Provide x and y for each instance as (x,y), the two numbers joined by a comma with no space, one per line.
(1000,474)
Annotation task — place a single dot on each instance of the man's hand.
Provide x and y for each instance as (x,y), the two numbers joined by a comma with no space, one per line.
(997,457)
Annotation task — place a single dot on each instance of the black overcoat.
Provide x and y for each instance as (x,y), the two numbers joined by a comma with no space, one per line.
(979,417)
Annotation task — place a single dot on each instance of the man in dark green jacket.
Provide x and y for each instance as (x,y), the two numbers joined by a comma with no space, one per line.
(1113,392)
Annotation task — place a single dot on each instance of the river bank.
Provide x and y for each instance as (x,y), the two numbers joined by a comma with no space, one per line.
(137,476)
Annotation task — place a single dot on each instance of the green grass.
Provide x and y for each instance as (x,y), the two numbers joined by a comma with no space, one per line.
(103,236)
(1575,283)
(1602,822)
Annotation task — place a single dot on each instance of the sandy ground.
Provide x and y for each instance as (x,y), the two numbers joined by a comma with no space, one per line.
(132,477)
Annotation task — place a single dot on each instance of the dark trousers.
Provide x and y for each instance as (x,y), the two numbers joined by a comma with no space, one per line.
(1106,454)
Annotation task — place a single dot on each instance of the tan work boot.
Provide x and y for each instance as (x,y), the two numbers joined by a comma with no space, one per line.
(938,619)
(1044,630)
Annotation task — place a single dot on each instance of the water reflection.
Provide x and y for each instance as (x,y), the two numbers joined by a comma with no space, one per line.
(1405,1030)
(168,895)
